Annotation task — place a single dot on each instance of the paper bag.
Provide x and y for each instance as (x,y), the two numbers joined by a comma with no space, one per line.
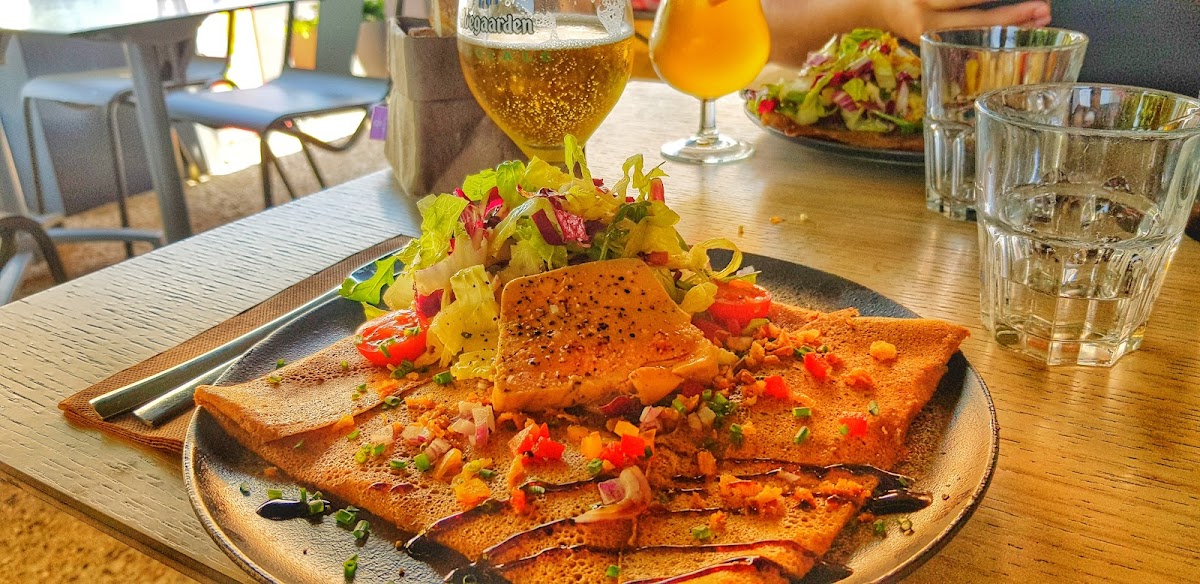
(437,133)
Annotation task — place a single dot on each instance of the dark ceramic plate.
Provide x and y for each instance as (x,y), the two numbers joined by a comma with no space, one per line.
(903,157)
(954,445)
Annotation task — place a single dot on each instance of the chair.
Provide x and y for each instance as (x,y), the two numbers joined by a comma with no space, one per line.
(14,258)
(296,93)
(108,89)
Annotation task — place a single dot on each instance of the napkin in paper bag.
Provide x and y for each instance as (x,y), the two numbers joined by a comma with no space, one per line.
(437,133)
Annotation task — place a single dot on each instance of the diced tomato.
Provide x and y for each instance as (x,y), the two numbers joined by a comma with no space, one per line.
(518,500)
(856,423)
(612,453)
(390,339)
(633,446)
(740,302)
(767,106)
(815,364)
(776,388)
(657,258)
(547,449)
(537,446)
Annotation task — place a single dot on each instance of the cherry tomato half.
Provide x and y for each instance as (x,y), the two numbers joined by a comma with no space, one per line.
(393,338)
(740,302)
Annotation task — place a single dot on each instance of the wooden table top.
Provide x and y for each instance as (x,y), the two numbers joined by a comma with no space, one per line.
(1097,478)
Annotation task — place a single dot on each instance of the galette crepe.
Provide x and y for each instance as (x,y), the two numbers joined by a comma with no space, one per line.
(619,441)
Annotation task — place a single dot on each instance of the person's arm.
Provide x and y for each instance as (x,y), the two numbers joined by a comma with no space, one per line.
(800,26)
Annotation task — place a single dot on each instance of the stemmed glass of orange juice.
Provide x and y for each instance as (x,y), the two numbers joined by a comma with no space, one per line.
(709,48)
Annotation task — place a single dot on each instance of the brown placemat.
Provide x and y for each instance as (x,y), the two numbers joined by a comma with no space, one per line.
(169,436)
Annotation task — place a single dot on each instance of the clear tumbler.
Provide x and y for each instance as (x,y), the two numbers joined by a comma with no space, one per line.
(1084,191)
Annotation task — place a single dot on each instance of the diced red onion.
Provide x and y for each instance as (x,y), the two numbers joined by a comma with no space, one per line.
(902,100)
(428,305)
(649,417)
(463,426)
(412,432)
(436,449)
(903,76)
(383,436)
(634,497)
(611,491)
(465,407)
(844,101)
(483,416)
(787,476)
(816,59)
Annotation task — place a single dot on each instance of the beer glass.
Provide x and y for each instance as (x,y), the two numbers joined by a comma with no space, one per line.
(706,49)
(543,69)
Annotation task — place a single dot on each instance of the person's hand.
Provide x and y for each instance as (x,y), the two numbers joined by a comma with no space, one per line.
(908,19)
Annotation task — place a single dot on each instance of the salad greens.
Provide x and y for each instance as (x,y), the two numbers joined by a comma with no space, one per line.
(865,77)
(520,219)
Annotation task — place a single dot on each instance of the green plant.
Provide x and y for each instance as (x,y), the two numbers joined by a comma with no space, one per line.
(373,11)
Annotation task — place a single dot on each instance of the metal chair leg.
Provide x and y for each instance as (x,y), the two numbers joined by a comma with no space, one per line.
(10,224)
(287,184)
(264,166)
(114,139)
(31,140)
(312,163)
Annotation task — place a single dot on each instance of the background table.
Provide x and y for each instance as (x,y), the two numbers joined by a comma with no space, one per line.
(149,30)
(1098,468)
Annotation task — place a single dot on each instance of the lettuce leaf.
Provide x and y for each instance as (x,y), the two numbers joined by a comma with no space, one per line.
(476,186)
(857,88)
(469,323)
(508,176)
(699,298)
(369,291)
(540,174)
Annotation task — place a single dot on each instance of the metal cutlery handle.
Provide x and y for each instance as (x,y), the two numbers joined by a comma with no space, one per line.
(178,400)
(124,399)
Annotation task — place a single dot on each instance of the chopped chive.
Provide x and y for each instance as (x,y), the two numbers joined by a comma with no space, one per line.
(353,435)
(412,331)
(802,412)
(843,429)
(350,566)
(361,388)
(244,488)
(735,434)
(905,524)
(422,462)
(345,365)
(486,473)
(823,349)
(753,325)
(404,368)
(879,527)
(274,379)
(677,405)
(298,445)
(391,401)
(536,490)
(706,395)
(361,529)
(273,494)
(346,517)
(397,464)
(443,378)
(383,347)
(873,408)
(316,507)
(594,466)
(801,436)
(361,456)
(303,495)
(280,363)
(377,449)
(701,533)
(612,572)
